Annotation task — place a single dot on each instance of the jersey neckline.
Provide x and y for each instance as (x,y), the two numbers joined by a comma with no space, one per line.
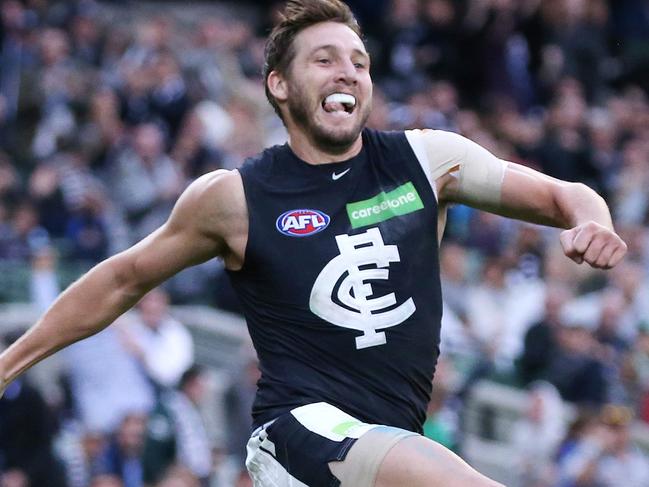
(327,167)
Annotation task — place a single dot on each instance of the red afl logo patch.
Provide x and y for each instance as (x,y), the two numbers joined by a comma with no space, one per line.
(302,223)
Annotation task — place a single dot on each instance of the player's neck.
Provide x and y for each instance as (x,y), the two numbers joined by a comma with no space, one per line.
(306,150)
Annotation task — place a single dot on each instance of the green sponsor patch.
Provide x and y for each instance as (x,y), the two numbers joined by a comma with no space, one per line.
(343,428)
(384,206)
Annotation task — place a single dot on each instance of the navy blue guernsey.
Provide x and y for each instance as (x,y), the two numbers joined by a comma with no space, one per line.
(340,283)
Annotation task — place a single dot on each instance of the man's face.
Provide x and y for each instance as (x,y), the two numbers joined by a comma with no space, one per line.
(328,86)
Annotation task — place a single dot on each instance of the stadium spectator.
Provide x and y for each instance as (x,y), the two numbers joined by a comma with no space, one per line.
(193,444)
(606,455)
(24,237)
(88,232)
(635,372)
(98,398)
(145,180)
(9,179)
(176,434)
(79,449)
(537,434)
(454,272)
(238,400)
(161,344)
(27,429)
(44,189)
(540,342)
(575,370)
(632,281)
(122,456)
(43,285)
(499,313)
(581,426)
(398,62)
(169,99)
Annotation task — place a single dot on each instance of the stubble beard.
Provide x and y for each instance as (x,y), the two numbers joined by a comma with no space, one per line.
(326,140)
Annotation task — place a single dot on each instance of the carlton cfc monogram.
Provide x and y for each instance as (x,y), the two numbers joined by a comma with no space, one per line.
(360,312)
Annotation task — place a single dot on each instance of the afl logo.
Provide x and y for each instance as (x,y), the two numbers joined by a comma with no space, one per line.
(302,223)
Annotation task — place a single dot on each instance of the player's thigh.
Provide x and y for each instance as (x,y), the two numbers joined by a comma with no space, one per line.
(416,461)
(392,457)
(361,465)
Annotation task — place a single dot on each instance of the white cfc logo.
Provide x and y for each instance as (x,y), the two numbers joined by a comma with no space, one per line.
(362,258)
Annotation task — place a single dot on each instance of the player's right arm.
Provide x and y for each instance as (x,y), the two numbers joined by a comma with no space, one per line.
(196,231)
(463,172)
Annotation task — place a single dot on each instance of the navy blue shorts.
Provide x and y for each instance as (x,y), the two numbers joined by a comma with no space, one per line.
(295,449)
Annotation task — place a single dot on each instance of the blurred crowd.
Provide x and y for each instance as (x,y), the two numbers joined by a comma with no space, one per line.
(131,409)
(109,109)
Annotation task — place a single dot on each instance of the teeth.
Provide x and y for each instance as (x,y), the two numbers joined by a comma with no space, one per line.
(343,98)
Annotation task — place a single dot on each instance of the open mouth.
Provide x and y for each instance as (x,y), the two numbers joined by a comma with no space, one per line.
(339,103)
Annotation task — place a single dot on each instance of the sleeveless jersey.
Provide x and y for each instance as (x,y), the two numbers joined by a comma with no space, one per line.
(340,283)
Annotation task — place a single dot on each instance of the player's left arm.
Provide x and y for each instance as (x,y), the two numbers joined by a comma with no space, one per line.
(483,181)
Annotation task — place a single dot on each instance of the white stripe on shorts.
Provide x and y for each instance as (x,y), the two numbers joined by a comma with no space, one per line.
(330,422)
(264,470)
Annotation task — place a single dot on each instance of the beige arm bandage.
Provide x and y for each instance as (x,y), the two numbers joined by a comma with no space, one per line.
(480,174)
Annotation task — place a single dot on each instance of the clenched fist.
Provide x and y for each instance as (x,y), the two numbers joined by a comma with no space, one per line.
(595,244)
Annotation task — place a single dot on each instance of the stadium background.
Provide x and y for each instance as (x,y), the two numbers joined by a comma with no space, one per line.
(109,109)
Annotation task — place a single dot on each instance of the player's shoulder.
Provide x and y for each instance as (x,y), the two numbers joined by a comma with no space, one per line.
(212,206)
(215,185)
(439,151)
(216,194)
(218,180)
(440,140)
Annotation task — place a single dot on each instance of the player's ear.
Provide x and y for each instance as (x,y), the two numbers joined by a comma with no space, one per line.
(277,86)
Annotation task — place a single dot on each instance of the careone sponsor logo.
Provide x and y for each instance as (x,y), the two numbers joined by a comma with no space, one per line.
(302,223)
(384,206)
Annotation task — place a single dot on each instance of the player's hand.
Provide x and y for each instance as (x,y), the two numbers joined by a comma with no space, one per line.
(594,244)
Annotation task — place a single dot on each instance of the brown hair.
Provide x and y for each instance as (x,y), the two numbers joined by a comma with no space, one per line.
(297,16)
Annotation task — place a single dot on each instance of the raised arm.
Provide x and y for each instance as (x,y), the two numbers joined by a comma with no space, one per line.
(196,231)
(466,173)
(589,236)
